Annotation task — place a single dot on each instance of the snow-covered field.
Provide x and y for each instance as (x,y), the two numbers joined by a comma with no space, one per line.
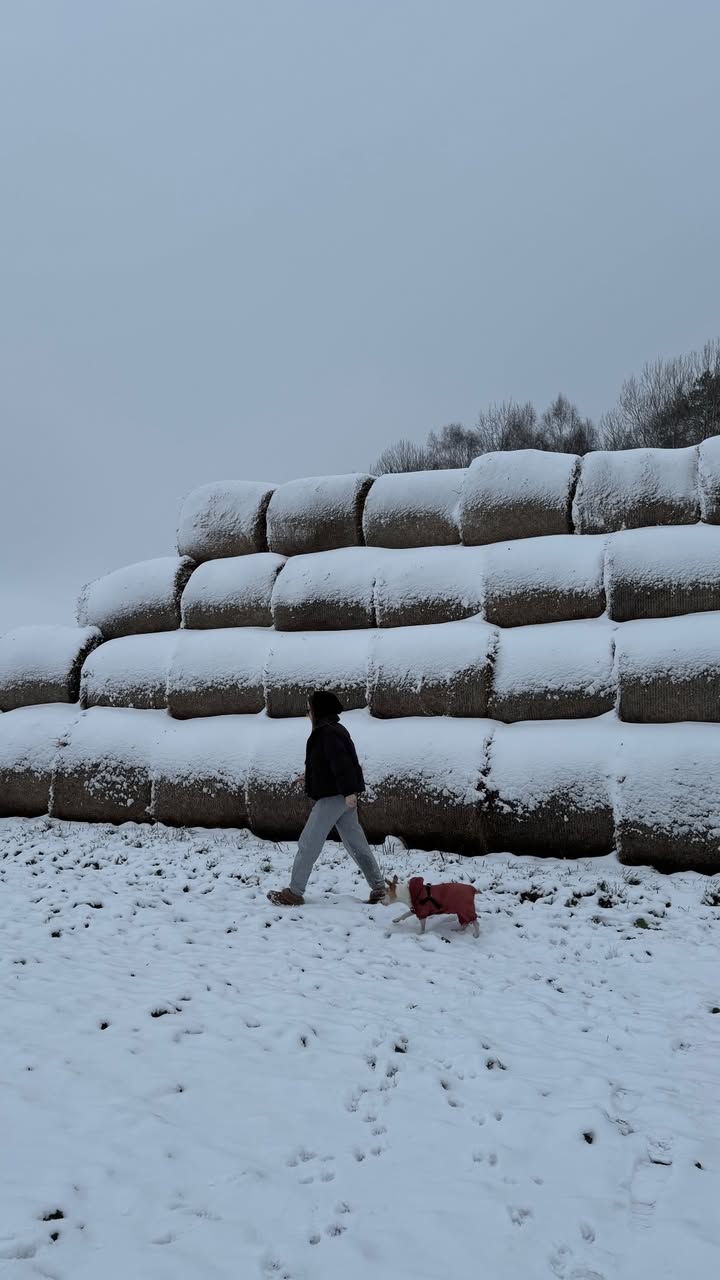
(195,1085)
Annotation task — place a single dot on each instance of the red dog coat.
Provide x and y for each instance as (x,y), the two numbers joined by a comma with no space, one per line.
(442,899)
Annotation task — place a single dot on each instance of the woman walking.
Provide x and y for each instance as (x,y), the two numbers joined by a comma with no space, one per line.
(333,780)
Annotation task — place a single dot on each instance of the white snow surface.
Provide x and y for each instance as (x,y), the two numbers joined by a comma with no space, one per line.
(670,779)
(221,518)
(410,657)
(41,655)
(554,658)
(519,477)
(317,659)
(346,575)
(302,510)
(669,648)
(559,561)
(709,478)
(665,558)
(135,589)
(218,658)
(448,580)
(533,761)
(29,736)
(614,485)
(129,670)
(419,499)
(197,1084)
(245,581)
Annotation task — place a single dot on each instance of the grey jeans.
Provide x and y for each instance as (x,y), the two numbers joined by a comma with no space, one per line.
(326,814)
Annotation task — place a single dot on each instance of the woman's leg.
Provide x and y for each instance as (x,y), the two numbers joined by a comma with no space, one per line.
(324,815)
(356,843)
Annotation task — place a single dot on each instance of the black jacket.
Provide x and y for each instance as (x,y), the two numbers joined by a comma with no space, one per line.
(331,764)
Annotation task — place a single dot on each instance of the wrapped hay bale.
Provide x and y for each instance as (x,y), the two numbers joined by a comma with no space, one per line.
(224,518)
(709,478)
(549,787)
(317,514)
(42,664)
(276,802)
(103,774)
(333,591)
(634,488)
(441,670)
(523,493)
(139,598)
(667,797)
(423,780)
(300,661)
(30,739)
(661,573)
(537,580)
(235,592)
(668,669)
(217,673)
(200,773)
(414,509)
(131,671)
(561,671)
(429,584)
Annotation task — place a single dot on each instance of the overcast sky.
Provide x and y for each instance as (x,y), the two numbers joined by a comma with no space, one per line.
(261,240)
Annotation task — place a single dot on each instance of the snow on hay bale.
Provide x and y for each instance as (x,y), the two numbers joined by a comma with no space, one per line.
(234,592)
(441,670)
(276,801)
(200,773)
(317,514)
(709,479)
(634,488)
(332,591)
(137,599)
(667,798)
(41,664)
(30,739)
(225,518)
(560,671)
(415,509)
(103,773)
(660,573)
(217,673)
(668,669)
(429,584)
(553,579)
(299,662)
(423,779)
(524,493)
(549,788)
(131,671)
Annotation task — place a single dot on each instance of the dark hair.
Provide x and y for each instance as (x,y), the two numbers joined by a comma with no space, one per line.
(324,705)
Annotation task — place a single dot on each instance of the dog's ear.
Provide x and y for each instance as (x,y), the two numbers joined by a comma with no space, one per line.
(394,880)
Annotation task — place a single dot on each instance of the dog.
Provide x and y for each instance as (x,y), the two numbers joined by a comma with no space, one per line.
(423,900)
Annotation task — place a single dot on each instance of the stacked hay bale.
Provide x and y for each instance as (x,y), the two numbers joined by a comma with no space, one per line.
(525,648)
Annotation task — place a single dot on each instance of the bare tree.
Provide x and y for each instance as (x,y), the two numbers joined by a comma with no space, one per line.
(565,431)
(406,455)
(452,446)
(672,403)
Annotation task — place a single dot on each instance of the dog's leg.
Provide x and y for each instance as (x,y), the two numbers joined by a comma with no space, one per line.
(476,928)
(399,919)
(422,925)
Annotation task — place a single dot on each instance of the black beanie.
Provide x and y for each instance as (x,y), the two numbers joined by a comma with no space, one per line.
(324,705)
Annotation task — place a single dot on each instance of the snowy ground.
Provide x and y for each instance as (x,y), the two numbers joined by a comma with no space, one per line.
(195,1085)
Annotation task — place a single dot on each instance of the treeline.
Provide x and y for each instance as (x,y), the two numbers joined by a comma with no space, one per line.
(672,403)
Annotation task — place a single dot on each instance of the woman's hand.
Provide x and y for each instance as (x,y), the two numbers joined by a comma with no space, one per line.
(351,802)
